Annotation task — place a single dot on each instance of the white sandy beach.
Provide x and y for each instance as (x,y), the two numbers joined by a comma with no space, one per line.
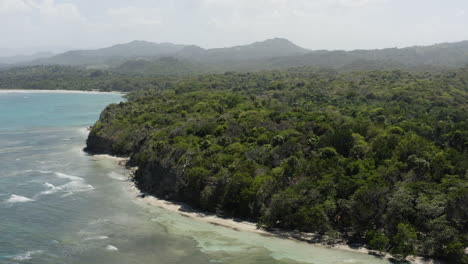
(200,216)
(245,226)
(56,91)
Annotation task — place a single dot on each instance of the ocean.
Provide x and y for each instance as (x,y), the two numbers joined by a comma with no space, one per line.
(60,205)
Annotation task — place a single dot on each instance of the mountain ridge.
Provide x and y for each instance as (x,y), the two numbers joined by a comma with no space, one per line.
(275,53)
(139,49)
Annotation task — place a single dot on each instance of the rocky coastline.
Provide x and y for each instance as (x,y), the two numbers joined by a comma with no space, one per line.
(157,184)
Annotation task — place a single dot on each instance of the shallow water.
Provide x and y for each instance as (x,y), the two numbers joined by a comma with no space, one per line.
(59,205)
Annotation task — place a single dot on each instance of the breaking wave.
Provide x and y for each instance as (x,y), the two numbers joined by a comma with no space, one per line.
(27,255)
(18,199)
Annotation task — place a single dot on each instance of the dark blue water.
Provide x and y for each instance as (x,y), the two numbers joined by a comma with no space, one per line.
(59,205)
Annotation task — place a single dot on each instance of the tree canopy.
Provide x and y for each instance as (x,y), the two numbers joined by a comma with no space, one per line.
(377,157)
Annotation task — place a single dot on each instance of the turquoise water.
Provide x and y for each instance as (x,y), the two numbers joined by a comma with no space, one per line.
(59,205)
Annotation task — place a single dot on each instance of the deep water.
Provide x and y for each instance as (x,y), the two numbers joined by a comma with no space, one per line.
(59,205)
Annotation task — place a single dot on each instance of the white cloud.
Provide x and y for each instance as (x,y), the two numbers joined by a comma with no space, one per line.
(361,3)
(45,9)
(34,23)
(50,22)
(315,24)
(460,13)
(133,16)
(55,12)
(14,7)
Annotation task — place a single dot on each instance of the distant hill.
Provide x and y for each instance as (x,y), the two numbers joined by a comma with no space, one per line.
(445,55)
(141,57)
(271,48)
(163,66)
(193,59)
(24,58)
(113,55)
(138,50)
(280,54)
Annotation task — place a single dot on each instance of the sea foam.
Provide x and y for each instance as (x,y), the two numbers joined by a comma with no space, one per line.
(75,184)
(18,199)
(69,177)
(96,238)
(117,176)
(52,189)
(111,248)
(27,255)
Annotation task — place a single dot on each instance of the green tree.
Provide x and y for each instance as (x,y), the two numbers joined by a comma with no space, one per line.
(378,240)
(404,242)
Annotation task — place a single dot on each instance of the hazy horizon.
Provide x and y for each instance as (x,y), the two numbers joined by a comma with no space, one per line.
(60,25)
(57,50)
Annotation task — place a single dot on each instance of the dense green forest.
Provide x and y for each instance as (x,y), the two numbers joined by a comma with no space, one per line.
(376,157)
(58,77)
(163,73)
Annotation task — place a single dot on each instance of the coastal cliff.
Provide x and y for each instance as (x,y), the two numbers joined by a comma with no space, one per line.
(151,177)
(338,155)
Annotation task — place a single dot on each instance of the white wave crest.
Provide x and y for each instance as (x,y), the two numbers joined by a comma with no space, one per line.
(27,255)
(69,177)
(96,238)
(111,248)
(75,184)
(52,189)
(18,199)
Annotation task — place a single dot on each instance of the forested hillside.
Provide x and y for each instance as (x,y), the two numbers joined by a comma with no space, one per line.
(141,57)
(375,157)
(58,77)
(111,56)
(166,66)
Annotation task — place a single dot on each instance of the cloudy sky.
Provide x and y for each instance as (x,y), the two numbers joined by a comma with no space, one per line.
(36,25)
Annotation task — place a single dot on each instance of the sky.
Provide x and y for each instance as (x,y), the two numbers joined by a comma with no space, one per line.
(28,26)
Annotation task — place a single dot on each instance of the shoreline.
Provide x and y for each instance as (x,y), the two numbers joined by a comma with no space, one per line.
(247,226)
(57,91)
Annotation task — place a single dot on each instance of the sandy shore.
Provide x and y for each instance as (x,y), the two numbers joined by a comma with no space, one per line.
(245,226)
(187,211)
(56,91)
